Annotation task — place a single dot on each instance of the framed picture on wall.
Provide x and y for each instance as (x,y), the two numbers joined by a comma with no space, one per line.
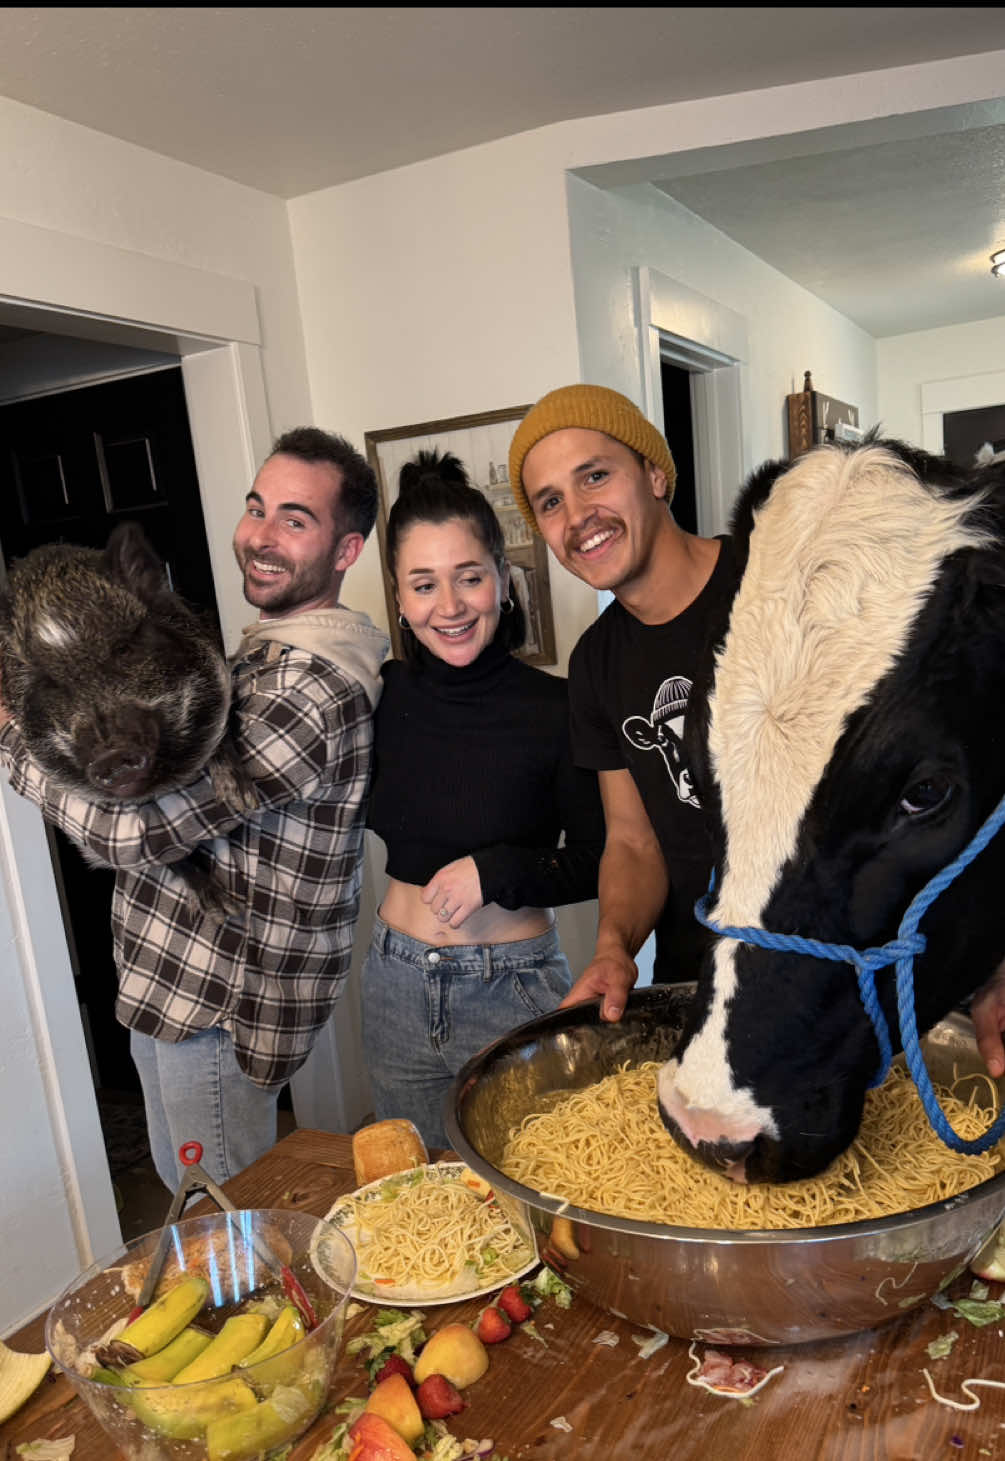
(481,443)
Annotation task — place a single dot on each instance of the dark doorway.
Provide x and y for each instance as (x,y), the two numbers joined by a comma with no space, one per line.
(72,465)
(965,432)
(678,428)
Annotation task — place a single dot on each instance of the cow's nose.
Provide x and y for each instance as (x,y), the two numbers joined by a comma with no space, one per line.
(729,1158)
(708,1134)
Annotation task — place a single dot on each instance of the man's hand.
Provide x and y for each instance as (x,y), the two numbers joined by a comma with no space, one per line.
(987,1010)
(612,976)
(455,892)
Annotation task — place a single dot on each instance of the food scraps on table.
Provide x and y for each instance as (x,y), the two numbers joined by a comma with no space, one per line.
(417,1378)
(20,1377)
(649,1343)
(60,1449)
(939,1348)
(735,1379)
(967,1386)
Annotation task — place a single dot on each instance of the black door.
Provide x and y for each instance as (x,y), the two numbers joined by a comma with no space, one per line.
(678,428)
(72,465)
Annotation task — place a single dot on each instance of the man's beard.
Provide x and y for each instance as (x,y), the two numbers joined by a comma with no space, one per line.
(295,586)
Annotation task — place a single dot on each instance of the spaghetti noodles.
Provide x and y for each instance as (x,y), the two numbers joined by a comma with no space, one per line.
(606,1149)
(430,1229)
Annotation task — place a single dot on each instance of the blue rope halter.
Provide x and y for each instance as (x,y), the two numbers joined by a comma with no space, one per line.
(901,952)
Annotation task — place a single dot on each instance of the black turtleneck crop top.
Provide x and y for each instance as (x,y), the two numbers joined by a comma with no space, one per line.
(477,761)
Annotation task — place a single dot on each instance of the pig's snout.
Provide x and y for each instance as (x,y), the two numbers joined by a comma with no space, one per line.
(121,769)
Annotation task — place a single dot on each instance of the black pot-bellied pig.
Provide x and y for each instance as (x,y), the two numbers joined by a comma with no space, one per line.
(117,686)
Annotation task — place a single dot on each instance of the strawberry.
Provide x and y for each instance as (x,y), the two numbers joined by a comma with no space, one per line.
(493,1326)
(513,1304)
(437,1398)
(395,1364)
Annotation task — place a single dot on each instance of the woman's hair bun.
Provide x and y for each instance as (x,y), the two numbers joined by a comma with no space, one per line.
(432,466)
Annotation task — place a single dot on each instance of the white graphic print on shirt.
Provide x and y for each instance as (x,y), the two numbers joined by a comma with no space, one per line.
(663,732)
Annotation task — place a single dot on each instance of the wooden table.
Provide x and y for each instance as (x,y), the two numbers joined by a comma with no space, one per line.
(858,1399)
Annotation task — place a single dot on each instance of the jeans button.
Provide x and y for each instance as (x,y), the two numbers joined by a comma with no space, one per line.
(433,957)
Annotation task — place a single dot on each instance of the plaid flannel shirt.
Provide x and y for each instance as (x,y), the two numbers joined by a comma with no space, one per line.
(271,975)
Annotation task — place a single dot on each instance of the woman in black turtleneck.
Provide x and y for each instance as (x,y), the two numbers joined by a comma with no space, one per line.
(473,787)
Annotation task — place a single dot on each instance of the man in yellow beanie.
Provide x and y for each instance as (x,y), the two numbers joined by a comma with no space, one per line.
(595,478)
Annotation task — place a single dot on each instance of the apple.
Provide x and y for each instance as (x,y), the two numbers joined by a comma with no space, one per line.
(392,1399)
(375,1440)
(454,1351)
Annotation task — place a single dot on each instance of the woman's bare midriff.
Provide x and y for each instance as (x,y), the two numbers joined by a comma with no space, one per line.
(404,910)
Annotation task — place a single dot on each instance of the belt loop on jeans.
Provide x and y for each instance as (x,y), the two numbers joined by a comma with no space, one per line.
(486,963)
(383,934)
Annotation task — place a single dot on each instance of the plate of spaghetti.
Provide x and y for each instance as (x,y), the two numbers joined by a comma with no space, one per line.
(433,1235)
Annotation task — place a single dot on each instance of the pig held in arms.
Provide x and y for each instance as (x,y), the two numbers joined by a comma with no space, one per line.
(117,685)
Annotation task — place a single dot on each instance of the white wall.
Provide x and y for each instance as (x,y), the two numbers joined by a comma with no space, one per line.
(908,362)
(424,295)
(75,181)
(789,330)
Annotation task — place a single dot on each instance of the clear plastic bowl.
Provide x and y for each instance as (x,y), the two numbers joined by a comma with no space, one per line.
(167,1422)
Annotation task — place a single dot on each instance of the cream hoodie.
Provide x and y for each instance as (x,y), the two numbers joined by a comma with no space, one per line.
(344,637)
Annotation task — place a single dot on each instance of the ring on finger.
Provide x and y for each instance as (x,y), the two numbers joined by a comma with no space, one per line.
(444,914)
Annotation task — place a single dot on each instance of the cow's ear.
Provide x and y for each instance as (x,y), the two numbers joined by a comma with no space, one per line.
(130,558)
(754,492)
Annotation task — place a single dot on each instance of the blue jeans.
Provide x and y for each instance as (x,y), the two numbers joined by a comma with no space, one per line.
(196,1091)
(427,1010)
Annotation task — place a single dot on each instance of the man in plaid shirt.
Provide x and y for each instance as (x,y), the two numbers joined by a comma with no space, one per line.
(222,1011)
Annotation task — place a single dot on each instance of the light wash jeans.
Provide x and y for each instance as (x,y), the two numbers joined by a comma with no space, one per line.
(428,1009)
(196,1091)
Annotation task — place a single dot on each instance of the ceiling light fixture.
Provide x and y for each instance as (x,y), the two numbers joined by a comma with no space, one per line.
(998,262)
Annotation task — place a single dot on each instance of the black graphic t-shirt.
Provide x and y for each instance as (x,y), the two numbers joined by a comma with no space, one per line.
(628,690)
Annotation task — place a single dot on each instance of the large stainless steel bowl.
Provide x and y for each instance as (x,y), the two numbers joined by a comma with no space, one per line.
(723,1286)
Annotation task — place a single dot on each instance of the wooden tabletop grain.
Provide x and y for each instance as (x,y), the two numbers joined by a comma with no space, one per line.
(858,1399)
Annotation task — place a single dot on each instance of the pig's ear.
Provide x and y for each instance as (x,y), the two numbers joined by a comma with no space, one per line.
(131,559)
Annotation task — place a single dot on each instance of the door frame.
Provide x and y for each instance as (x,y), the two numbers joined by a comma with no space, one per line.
(709,341)
(961,393)
(62,284)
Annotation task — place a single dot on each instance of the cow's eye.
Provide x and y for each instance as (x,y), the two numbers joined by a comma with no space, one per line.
(926,796)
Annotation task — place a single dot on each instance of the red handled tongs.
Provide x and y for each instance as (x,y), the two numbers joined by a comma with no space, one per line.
(196,1179)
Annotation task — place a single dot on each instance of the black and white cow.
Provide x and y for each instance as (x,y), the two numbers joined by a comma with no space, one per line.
(850,742)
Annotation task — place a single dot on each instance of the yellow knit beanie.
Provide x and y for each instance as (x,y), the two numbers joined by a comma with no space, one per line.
(597,409)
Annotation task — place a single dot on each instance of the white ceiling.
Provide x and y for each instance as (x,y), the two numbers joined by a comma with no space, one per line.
(299,98)
(897,235)
(294,99)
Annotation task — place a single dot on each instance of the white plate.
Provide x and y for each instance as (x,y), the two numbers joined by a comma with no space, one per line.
(466,1286)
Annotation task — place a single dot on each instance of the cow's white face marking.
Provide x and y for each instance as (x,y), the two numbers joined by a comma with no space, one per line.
(842,557)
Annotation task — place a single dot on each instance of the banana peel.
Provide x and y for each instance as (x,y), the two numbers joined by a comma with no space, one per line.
(20,1377)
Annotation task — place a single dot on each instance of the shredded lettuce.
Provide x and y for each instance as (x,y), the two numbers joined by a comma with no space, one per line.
(939,1348)
(547,1284)
(979,1312)
(393,1331)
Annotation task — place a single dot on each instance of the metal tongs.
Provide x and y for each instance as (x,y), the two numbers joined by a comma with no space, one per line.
(197,1179)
